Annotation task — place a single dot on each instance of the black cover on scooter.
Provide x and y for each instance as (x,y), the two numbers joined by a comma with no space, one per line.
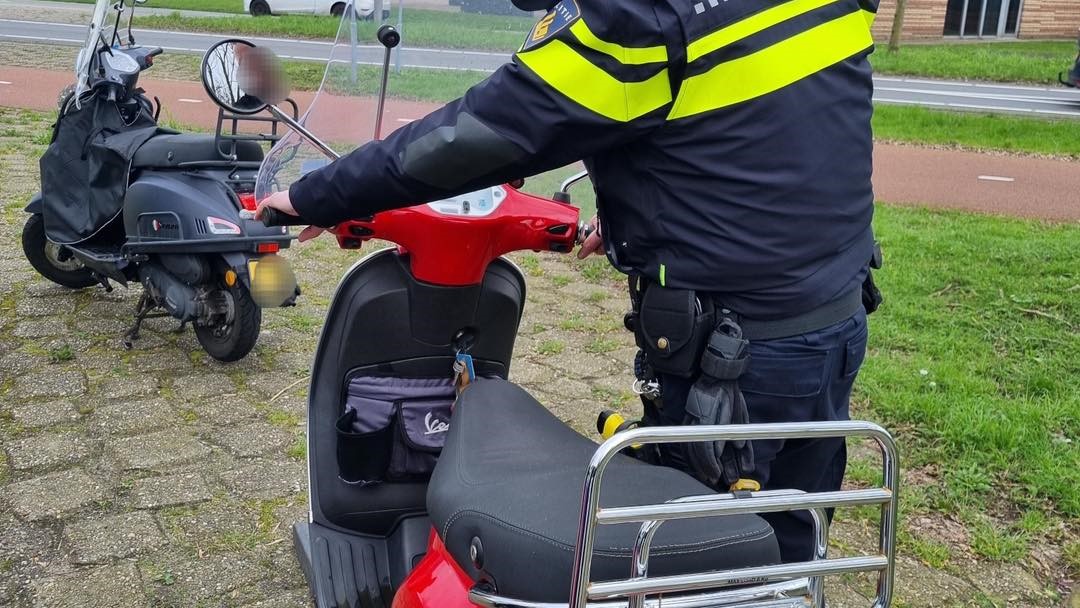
(84,172)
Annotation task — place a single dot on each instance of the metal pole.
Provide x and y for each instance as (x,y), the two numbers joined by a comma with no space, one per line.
(401,31)
(303,131)
(350,14)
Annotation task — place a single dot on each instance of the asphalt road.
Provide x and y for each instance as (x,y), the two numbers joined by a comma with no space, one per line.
(931,93)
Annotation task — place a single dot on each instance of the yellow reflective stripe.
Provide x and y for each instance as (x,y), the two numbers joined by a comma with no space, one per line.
(773,68)
(623,54)
(577,78)
(750,26)
(869,17)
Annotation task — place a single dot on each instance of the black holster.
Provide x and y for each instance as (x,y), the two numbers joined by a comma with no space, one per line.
(871,295)
(714,399)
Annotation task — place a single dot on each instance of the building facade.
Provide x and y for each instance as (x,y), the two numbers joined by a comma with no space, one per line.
(987,19)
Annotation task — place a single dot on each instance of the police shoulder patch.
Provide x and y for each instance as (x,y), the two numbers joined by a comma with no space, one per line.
(560,17)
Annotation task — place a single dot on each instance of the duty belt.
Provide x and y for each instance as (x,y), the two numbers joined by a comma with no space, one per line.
(823,316)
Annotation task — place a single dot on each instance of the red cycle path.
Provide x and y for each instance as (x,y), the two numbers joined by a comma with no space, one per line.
(987,183)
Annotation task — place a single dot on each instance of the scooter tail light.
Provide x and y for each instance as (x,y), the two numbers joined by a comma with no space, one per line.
(247,201)
(267,247)
(220,226)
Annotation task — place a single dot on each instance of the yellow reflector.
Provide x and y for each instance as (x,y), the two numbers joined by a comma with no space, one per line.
(574,76)
(230,277)
(774,67)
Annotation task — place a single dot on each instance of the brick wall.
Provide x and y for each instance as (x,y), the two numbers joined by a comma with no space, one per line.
(926,19)
(922,18)
(1050,19)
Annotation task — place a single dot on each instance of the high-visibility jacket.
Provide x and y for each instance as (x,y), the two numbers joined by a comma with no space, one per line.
(729,142)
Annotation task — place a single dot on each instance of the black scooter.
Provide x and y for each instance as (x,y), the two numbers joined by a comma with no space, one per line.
(125,200)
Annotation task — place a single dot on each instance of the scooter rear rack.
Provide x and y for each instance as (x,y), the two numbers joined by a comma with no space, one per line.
(792,585)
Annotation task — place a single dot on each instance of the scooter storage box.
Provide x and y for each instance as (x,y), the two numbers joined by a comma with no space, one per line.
(393,428)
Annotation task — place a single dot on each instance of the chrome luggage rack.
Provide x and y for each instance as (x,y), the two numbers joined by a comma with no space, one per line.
(791,585)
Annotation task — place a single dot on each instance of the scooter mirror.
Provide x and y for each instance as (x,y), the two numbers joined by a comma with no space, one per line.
(242,77)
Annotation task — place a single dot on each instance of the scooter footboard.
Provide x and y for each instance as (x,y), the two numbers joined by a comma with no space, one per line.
(799,584)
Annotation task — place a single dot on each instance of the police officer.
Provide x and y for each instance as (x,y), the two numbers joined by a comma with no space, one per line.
(729,144)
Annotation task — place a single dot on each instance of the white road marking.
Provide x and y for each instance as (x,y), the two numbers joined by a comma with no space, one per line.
(189,100)
(5,82)
(996,178)
(406,120)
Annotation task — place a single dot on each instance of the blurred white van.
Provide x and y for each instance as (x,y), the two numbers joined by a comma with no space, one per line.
(364,8)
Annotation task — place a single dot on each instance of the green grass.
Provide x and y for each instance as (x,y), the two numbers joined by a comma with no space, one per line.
(977,131)
(974,358)
(422,28)
(1026,61)
(215,6)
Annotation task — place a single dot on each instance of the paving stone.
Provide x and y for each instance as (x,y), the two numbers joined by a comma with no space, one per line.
(101,310)
(46,289)
(254,438)
(116,536)
(48,451)
(15,364)
(40,307)
(157,449)
(529,372)
(226,410)
(204,525)
(126,417)
(51,384)
(78,344)
(270,383)
(170,490)
(212,577)
(926,587)
(189,388)
(103,325)
(265,479)
(116,586)
(40,328)
(166,360)
(287,599)
(53,494)
(34,415)
(582,366)
(126,387)
(1007,582)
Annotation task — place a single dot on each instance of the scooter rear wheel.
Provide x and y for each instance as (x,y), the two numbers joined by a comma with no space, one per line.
(46,257)
(232,341)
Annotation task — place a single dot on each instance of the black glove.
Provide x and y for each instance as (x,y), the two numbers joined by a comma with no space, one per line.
(715,398)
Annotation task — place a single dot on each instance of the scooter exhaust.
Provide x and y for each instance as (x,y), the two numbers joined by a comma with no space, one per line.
(176,297)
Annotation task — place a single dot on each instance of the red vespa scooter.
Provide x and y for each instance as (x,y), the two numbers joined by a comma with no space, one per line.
(434,482)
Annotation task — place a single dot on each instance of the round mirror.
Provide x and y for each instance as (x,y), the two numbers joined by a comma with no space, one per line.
(241,77)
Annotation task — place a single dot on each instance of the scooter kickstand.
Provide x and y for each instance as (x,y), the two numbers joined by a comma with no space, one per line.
(142,309)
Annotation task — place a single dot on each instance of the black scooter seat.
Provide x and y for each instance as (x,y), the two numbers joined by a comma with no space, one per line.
(511,476)
(171,150)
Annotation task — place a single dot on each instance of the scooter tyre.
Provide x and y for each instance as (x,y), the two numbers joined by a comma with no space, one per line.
(35,246)
(243,333)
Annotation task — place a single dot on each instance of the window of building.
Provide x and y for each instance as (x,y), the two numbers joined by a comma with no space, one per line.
(982,18)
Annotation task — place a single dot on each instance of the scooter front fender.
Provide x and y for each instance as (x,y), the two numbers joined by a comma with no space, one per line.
(436,582)
(35,206)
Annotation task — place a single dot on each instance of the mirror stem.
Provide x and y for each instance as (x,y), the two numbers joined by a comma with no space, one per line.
(382,94)
(302,130)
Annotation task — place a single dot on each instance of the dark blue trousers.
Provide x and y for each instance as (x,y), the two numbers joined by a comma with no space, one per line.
(797,379)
